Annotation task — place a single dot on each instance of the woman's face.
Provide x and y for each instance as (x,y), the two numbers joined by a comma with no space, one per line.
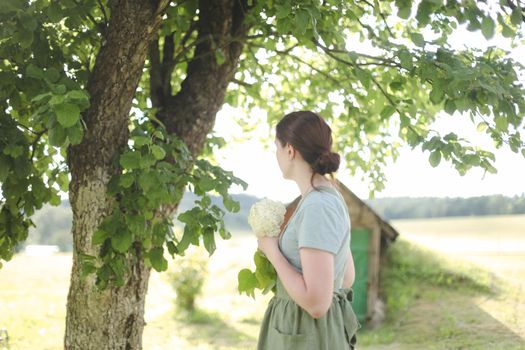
(283,158)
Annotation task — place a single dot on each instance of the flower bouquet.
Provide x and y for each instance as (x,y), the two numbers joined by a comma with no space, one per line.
(265,218)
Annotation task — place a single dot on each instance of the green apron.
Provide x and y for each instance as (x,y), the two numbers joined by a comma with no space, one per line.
(286,326)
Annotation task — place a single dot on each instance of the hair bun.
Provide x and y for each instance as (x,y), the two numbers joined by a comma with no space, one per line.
(326,163)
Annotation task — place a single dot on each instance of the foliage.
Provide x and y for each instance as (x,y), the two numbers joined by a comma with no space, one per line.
(369,66)
(149,182)
(264,277)
(42,81)
(187,278)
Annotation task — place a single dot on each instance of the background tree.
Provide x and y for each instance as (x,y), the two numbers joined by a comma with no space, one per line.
(114,102)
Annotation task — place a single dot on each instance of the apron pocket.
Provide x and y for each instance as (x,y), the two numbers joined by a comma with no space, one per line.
(283,341)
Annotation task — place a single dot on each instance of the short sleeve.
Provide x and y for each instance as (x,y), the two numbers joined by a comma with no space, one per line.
(320,228)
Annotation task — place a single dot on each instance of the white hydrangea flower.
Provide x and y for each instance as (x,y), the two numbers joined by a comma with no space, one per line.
(266,217)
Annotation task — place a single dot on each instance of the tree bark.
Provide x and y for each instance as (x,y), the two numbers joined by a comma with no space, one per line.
(114,318)
(190,114)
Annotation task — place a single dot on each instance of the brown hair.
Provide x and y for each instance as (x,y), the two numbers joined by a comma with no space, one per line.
(309,134)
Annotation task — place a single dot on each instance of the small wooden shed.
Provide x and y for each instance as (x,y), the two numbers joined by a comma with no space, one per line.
(371,235)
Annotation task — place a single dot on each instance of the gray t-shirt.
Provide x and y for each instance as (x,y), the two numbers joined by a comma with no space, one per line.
(321,221)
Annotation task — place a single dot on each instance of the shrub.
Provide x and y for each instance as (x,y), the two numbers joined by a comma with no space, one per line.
(187,277)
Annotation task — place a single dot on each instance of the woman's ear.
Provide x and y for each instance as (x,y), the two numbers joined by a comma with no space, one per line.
(291,151)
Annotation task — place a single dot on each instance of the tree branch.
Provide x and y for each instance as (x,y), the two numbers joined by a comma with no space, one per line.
(513,6)
(386,62)
(300,60)
(380,14)
(103,10)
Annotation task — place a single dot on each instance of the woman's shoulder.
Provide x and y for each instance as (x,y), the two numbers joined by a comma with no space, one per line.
(321,199)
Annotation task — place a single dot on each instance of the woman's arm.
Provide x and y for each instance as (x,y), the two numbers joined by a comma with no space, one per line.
(312,290)
(349,277)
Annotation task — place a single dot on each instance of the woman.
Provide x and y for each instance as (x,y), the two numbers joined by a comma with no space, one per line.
(311,308)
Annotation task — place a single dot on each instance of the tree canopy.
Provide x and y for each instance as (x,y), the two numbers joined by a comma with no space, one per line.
(364,65)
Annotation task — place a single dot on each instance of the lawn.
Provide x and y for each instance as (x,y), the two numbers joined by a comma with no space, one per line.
(464,293)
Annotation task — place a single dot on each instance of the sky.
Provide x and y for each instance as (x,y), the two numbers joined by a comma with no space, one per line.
(411,175)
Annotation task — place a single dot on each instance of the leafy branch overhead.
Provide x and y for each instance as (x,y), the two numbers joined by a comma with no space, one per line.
(371,65)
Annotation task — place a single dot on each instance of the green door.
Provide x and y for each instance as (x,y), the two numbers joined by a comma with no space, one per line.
(359,248)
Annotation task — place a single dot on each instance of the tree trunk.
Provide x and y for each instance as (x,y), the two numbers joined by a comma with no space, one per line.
(114,318)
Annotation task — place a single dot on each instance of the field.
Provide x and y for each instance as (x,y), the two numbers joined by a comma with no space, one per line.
(455,283)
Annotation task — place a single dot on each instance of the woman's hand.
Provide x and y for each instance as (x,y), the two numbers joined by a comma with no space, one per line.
(269,246)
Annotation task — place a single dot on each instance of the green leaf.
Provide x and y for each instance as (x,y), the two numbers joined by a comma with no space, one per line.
(501,123)
(118,265)
(482,127)
(172,248)
(5,166)
(363,76)
(54,12)
(231,205)
(283,10)
(59,89)
(404,12)
(75,134)
(437,95)
(247,282)
(387,111)
(207,184)
(301,21)
(417,39)
(487,27)
(67,114)
(25,38)
(507,31)
(435,158)
(208,238)
(57,135)
(148,181)
(52,75)
(87,269)
(450,106)
(156,257)
(122,241)
(77,95)
(225,234)
(396,85)
(99,237)
(219,57)
(34,72)
(126,180)
(147,161)
(405,59)
(189,216)
(41,97)
(140,140)
(130,160)
(516,17)
(158,152)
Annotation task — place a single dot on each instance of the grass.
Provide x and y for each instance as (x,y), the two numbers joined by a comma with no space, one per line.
(436,298)
(436,303)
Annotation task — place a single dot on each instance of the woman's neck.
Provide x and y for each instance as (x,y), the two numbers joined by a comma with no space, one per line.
(305,185)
